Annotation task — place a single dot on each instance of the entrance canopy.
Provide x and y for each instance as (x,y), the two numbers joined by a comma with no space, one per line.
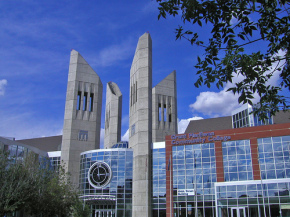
(99,199)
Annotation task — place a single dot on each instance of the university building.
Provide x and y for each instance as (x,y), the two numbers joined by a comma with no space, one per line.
(233,166)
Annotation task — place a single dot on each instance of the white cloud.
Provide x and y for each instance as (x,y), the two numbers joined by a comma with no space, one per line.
(3,84)
(215,104)
(223,103)
(125,137)
(183,123)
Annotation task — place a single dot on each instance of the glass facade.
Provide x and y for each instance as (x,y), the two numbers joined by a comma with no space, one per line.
(158,182)
(243,117)
(18,151)
(54,162)
(196,191)
(194,175)
(253,198)
(123,144)
(274,157)
(237,160)
(114,199)
(240,195)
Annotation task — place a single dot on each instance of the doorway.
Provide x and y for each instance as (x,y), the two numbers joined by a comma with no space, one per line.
(104,213)
(238,212)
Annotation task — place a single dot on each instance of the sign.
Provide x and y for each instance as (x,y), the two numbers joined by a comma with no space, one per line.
(188,192)
(191,138)
(285,206)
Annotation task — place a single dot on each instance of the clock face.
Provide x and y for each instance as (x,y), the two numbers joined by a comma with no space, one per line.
(100,174)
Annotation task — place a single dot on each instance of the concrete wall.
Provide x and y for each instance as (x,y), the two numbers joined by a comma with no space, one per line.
(113,115)
(164,108)
(210,124)
(281,117)
(82,119)
(140,125)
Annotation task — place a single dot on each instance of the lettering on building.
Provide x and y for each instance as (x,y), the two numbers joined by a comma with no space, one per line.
(196,138)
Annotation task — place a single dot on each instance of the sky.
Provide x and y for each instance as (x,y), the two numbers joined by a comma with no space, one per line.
(36,41)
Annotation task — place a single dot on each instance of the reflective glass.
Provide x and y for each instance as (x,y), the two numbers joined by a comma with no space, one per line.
(237,160)
(121,165)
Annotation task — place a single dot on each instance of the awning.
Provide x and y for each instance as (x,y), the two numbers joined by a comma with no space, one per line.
(99,199)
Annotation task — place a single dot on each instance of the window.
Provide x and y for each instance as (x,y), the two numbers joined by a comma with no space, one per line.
(133,130)
(85,101)
(79,100)
(164,113)
(91,102)
(237,160)
(159,112)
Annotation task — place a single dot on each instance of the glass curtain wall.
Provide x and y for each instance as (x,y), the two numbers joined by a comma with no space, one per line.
(120,187)
(253,198)
(240,195)
(158,182)
(194,175)
(237,160)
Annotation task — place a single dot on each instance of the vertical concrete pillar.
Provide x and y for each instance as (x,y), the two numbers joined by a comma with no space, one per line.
(81,130)
(113,115)
(140,124)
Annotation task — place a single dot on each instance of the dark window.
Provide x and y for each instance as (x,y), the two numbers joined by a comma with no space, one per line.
(164,113)
(85,101)
(91,102)
(159,112)
(79,100)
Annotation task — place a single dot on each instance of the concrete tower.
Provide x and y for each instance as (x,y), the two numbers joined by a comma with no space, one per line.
(113,115)
(140,125)
(82,118)
(164,108)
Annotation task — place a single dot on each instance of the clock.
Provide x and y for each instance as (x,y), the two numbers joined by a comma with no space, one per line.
(99,175)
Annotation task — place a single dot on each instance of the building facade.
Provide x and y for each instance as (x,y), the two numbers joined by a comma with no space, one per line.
(234,172)
(106,181)
(220,167)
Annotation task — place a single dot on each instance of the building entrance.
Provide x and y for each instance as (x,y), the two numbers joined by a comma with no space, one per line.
(101,205)
(104,213)
(238,212)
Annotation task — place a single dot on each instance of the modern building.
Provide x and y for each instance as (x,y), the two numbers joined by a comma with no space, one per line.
(233,172)
(222,167)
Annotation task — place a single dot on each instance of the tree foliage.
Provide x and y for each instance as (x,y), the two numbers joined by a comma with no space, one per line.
(33,187)
(81,209)
(235,26)
(17,186)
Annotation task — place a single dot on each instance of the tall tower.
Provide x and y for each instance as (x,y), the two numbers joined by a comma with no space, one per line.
(140,125)
(113,115)
(82,118)
(164,108)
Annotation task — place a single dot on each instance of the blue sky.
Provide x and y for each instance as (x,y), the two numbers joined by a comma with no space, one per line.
(36,40)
